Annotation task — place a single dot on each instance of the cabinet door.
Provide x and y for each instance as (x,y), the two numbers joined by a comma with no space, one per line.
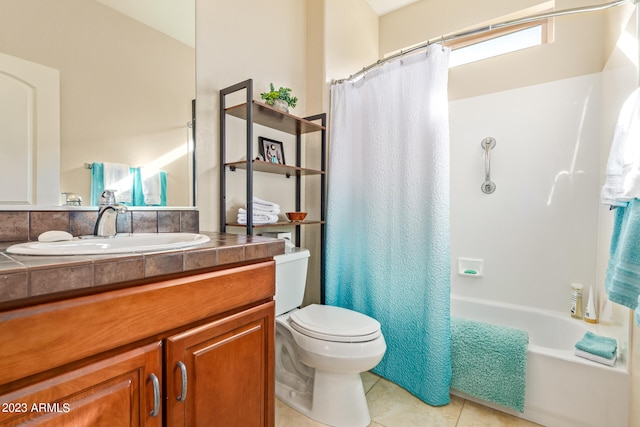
(123,390)
(221,374)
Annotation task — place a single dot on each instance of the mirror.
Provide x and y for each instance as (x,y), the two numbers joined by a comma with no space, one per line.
(127,84)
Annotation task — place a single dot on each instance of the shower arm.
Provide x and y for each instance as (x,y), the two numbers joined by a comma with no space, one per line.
(488,186)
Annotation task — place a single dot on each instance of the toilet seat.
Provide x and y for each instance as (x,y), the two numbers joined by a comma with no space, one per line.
(329,323)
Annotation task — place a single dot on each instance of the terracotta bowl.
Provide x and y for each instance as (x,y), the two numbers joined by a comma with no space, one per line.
(296,216)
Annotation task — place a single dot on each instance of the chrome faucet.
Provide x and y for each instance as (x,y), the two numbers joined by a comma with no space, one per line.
(108,214)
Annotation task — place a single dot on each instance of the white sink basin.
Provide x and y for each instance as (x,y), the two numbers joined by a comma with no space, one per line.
(122,243)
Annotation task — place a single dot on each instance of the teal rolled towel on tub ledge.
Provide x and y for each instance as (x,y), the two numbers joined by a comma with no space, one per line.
(489,362)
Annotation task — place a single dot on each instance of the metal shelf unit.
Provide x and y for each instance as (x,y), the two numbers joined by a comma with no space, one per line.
(254,112)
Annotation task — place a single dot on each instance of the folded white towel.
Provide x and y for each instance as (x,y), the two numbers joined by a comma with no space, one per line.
(265,206)
(264,212)
(258,218)
(595,357)
(257,221)
(118,177)
(622,182)
(261,209)
(151,186)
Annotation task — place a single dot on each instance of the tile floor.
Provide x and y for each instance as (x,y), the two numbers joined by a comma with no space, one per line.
(392,406)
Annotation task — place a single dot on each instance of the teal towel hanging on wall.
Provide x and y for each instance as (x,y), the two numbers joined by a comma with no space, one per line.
(137,193)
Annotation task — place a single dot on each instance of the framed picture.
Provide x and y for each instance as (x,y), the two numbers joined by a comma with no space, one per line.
(271,151)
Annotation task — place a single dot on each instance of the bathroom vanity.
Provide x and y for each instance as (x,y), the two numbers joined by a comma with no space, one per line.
(192,347)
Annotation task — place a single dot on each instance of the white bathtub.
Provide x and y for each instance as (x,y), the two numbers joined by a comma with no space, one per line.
(562,389)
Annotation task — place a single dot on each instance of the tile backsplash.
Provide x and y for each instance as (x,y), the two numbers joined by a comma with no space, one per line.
(23,225)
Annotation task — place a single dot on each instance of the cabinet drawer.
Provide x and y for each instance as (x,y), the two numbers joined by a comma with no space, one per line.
(36,339)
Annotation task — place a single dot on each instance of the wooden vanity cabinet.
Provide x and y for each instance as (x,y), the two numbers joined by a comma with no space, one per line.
(191,351)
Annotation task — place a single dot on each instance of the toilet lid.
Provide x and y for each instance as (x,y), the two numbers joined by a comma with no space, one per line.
(331,323)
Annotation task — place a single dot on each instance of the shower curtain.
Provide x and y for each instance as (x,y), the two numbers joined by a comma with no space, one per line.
(387,252)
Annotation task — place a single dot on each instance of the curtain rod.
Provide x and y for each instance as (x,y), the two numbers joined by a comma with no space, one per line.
(484,29)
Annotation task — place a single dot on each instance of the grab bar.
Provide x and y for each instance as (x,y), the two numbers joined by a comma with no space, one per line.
(488,186)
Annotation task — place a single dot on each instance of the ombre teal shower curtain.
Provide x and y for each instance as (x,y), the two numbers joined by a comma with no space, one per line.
(387,252)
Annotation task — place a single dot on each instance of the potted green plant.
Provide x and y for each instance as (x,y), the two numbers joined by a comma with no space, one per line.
(280,99)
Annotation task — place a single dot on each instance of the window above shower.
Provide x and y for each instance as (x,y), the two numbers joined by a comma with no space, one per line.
(501,42)
(480,42)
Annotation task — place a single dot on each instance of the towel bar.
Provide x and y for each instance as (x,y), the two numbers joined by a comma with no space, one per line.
(488,186)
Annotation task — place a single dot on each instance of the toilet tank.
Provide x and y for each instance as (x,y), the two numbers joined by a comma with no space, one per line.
(291,279)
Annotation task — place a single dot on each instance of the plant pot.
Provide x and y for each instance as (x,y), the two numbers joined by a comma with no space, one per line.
(281,105)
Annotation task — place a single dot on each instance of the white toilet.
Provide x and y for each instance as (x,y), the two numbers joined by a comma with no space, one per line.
(321,350)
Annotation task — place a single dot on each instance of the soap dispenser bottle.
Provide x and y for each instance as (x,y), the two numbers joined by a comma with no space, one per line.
(576,300)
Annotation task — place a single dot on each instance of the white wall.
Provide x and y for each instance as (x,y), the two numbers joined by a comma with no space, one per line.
(536,231)
(331,25)
(619,79)
(352,35)
(423,20)
(298,44)
(578,48)
(236,41)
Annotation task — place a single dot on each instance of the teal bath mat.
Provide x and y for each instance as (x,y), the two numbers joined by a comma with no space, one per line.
(489,362)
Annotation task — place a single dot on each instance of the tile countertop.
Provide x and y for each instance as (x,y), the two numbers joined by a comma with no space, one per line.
(32,279)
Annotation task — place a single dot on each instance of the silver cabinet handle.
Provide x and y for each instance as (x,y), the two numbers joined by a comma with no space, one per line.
(183,372)
(156,395)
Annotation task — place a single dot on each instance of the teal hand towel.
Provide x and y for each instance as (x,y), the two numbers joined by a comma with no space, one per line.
(139,196)
(97,183)
(622,282)
(596,344)
(489,361)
